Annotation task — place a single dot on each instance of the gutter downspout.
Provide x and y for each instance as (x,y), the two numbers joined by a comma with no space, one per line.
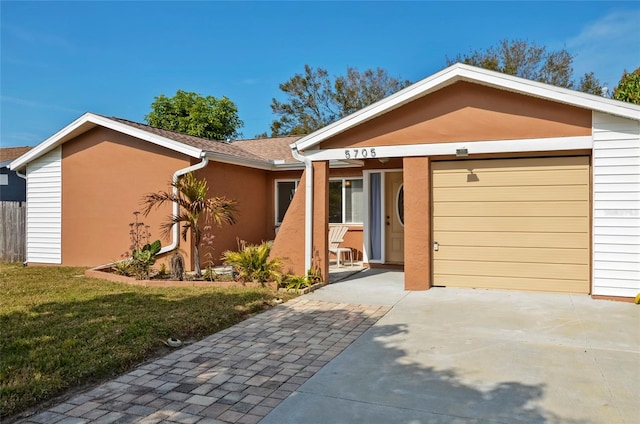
(308,211)
(176,207)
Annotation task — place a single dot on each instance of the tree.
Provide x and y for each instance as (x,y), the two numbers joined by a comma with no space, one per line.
(193,114)
(590,84)
(314,101)
(191,195)
(531,61)
(628,89)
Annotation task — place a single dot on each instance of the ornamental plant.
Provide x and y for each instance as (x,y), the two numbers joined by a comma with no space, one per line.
(192,195)
(137,261)
(252,263)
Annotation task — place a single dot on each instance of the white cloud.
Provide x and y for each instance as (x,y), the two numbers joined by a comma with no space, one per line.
(33,104)
(21,138)
(37,37)
(608,46)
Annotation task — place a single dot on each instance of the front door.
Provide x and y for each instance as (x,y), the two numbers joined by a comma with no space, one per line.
(394,218)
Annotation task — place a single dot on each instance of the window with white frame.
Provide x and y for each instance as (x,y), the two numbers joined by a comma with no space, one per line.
(346,201)
(285,189)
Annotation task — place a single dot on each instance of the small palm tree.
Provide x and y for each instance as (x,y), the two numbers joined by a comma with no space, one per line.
(191,195)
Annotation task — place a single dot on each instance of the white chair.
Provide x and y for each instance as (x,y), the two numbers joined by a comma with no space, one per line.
(336,236)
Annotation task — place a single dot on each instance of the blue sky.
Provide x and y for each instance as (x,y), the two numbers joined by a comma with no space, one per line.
(61,59)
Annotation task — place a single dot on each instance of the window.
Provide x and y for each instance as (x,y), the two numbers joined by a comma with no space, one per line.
(346,200)
(284,195)
(4,179)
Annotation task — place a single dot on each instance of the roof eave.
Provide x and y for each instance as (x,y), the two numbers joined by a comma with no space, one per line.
(89,121)
(236,160)
(462,72)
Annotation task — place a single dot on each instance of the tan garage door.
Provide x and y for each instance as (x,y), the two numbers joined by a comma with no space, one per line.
(518,224)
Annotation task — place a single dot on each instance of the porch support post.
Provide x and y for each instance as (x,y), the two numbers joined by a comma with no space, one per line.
(321,217)
(417,223)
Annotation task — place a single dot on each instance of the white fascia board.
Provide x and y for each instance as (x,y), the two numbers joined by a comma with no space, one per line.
(89,121)
(269,166)
(235,160)
(419,89)
(147,136)
(462,72)
(473,148)
(49,143)
(549,92)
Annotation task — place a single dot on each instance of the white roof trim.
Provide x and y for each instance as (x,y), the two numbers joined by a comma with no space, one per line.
(462,72)
(89,121)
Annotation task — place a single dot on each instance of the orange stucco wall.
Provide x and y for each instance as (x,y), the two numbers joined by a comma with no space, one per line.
(467,112)
(417,223)
(252,190)
(104,176)
(289,243)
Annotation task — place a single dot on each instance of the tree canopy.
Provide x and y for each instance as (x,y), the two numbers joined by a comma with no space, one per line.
(315,100)
(628,89)
(193,114)
(528,60)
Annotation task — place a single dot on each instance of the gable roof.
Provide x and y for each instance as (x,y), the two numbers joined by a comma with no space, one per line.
(254,153)
(462,72)
(7,154)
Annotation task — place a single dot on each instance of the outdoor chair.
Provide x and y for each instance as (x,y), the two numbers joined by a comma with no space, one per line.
(336,236)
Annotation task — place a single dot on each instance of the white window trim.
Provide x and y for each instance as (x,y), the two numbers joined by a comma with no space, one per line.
(276,202)
(344,203)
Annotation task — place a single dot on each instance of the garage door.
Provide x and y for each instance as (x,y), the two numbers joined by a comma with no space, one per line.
(518,224)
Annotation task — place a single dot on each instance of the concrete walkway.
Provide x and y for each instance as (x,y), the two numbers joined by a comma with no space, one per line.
(476,356)
(362,350)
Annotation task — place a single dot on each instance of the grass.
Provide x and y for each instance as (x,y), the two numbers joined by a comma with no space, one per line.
(61,330)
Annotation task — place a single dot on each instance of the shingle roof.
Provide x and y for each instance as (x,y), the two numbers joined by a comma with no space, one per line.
(10,153)
(259,149)
(270,149)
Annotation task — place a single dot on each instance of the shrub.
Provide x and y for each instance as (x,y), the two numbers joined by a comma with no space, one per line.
(143,253)
(252,263)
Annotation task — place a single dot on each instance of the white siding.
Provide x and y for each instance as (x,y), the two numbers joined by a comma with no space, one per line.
(44,209)
(616,206)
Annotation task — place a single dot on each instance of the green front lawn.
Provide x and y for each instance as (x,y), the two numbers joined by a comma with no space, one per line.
(60,329)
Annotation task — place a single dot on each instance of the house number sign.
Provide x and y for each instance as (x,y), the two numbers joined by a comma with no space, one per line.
(360,153)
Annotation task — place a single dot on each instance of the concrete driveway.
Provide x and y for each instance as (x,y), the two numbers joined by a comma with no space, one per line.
(475,356)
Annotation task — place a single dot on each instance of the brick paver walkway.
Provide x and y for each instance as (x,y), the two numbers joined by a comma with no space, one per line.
(235,376)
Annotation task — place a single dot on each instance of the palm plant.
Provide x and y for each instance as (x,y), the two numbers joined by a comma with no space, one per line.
(252,263)
(190,193)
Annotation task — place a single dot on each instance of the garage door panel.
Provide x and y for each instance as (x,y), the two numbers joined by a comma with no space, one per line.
(512,224)
(512,269)
(513,194)
(508,224)
(509,165)
(518,254)
(518,178)
(510,283)
(513,239)
(551,209)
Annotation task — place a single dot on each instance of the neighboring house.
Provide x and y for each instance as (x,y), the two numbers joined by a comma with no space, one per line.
(13,188)
(468,178)
(472,178)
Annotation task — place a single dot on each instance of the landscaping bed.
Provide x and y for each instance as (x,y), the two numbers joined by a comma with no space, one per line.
(62,329)
(107,273)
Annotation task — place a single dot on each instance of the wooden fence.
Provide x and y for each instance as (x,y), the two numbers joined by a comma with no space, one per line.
(13,231)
